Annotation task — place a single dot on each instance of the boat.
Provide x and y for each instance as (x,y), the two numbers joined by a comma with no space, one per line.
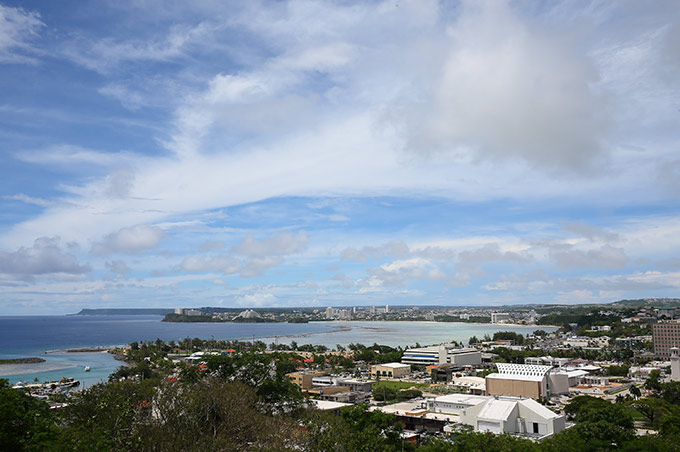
(87,368)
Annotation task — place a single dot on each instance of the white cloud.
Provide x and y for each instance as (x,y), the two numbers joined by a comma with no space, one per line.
(118,267)
(129,240)
(507,91)
(130,99)
(211,245)
(105,55)
(591,233)
(276,245)
(607,256)
(44,259)
(199,264)
(18,28)
(251,257)
(491,252)
(28,199)
(395,248)
(257,300)
(400,272)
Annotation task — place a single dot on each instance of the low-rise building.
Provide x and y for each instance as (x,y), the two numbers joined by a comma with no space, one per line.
(442,354)
(546,361)
(390,370)
(516,416)
(520,380)
(304,379)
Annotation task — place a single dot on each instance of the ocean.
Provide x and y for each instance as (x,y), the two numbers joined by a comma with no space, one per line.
(48,337)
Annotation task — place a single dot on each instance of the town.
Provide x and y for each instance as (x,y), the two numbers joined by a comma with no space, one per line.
(617,359)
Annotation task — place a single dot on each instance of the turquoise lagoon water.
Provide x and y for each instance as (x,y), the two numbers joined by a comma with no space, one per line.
(48,336)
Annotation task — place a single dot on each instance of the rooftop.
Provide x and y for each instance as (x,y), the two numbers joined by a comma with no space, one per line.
(394,365)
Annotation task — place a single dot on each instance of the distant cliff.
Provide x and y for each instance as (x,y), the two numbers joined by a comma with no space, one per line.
(125,311)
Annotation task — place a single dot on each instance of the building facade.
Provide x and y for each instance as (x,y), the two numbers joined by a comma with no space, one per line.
(665,335)
(390,370)
(500,414)
(519,380)
(442,354)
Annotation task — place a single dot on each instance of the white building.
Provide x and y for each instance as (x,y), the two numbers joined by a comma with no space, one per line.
(500,414)
(442,354)
(546,361)
(500,317)
(675,364)
(249,314)
(187,311)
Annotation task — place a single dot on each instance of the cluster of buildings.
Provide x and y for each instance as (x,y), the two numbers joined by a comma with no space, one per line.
(496,414)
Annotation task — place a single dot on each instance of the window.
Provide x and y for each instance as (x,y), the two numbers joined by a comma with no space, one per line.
(535,427)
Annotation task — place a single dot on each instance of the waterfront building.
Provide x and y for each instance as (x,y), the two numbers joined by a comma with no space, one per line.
(500,317)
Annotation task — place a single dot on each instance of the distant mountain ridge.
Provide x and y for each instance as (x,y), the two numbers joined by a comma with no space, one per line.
(125,311)
(639,303)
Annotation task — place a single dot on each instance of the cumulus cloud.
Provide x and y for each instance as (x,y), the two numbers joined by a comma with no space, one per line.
(508,90)
(211,245)
(129,240)
(395,248)
(222,263)
(251,257)
(18,28)
(257,300)
(400,272)
(589,232)
(118,267)
(607,256)
(470,260)
(44,259)
(276,245)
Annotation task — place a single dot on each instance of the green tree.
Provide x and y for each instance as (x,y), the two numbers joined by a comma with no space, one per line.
(476,441)
(652,383)
(103,416)
(652,408)
(26,424)
(635,391)
(671,392)
(599,425)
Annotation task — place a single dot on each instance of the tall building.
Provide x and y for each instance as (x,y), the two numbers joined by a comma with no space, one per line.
(665,334)
(387,309)
(372,310)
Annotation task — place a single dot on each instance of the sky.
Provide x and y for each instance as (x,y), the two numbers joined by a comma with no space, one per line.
(330,153)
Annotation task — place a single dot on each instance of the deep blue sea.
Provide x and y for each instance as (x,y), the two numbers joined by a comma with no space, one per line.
(48,336)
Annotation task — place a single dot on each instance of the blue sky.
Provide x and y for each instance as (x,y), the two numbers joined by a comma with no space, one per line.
(299,153)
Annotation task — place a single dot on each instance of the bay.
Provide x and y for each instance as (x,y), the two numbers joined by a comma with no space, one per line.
(48,337)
